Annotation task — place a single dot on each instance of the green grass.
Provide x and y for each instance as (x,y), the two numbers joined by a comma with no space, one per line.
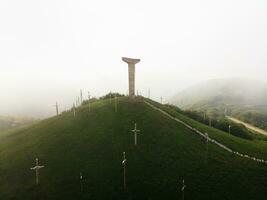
(92,143)
(256,148)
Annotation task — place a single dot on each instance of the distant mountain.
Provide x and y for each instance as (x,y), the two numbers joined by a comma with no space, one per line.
(241,98)
(9,122)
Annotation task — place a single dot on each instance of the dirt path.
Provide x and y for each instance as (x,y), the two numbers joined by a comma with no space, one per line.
(249,126)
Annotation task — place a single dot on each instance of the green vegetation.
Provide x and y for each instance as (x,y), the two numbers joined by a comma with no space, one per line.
(223,124)
(111,95)
(92,143)
(252,147)
(253,115)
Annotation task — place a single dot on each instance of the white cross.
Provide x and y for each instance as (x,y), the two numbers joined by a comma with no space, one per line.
(37,168)
(89,100)
(124,170)
(183,188)
(207,137)
(116,103)
(74,111)
(135,131)
(56,107)
(110,97)
(207,143)
(81,180)
(81,93)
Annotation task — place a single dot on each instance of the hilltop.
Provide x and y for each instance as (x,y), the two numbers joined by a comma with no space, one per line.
(93,143)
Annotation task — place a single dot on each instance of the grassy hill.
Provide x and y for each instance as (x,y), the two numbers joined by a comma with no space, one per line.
(92,143)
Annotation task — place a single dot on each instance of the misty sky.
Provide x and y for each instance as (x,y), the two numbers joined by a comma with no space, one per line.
(50,49)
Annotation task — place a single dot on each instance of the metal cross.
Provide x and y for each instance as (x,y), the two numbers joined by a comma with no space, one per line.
(135,131)
(56,107)
(74,111)
(207,143)
(81,181)
(81,93)
(124,170)
(183,188)
(37,168)
(89,101)
(207,137)
(110,97)
(116,103)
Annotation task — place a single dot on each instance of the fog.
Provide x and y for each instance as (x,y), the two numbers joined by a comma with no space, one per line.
(51,49)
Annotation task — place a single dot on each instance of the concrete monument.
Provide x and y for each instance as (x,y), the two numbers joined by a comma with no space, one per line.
(131,67)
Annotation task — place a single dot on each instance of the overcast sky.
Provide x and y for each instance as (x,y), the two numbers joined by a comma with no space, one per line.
(50,49)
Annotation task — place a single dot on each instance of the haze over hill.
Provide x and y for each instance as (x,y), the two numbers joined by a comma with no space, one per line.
(51,49)
(242,98)
(241,92)
(8,122)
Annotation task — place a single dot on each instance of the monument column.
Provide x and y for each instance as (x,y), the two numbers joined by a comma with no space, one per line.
(131,68)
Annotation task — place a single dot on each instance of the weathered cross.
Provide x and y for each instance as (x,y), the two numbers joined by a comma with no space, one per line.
(183,188)
(81,93)
(207,137)
(116,103)
(56,107)
(81,181)
(110,97)
(74,111)
(207,142)
(78,100)
(135,131)
(89,101)
(37,168)
(124,170)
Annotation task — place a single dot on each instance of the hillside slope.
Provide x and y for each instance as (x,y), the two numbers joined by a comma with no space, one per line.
(92,143)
